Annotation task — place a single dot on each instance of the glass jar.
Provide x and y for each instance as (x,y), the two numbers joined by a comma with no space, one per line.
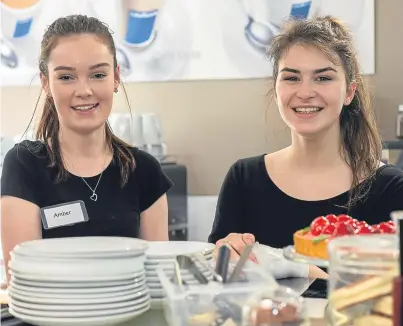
(397,218)
(362,269)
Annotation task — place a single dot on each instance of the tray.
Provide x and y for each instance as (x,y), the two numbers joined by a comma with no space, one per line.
(290,254)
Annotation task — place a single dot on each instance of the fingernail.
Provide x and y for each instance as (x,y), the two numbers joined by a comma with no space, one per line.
(253,258)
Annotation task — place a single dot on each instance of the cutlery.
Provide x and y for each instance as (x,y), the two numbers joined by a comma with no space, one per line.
(185,262)
(224,253)
(241,263)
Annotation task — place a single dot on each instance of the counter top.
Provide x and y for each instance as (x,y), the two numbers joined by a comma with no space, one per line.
(315,312)
(314,307)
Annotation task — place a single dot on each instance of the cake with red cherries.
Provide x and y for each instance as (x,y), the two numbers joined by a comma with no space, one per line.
(313,240)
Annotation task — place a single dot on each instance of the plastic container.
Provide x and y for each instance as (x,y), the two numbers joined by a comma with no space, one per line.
(362,269)
(214,303)
(276,307)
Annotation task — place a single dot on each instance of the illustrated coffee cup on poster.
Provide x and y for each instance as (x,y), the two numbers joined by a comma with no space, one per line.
(350,12)
(265,15)
(18,17)
(140,20)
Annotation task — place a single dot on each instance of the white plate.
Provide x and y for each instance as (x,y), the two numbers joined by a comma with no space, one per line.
(170,259)
(153,269)
(41,294)
(82,247)
(77,285)
(290,253)
(76,321)
(168,262)
(154,286)
(44,309)
(185,275)
(189,280)
(63,259)
(112,290)
(77,314)
(99,300)
(75,278)
(157,293)
(168,249)
(157,303)
(84,267)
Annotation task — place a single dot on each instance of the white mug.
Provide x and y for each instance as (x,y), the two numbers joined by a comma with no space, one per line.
(121,125)
(151,128)
(18,17)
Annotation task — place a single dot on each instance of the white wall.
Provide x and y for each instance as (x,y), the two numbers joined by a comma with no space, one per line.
(201,210)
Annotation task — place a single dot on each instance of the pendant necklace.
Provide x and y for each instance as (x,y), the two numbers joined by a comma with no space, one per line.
(94,196)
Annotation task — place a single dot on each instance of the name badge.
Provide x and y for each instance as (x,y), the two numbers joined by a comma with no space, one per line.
(64,214)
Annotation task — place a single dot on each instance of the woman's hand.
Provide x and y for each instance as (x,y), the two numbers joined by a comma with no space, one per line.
(316,272)
(237,242)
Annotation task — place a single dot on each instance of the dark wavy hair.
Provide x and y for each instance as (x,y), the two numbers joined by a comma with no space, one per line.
(361,142)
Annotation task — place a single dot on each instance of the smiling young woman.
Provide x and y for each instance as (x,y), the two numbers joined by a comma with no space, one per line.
(333,163)
(99,185)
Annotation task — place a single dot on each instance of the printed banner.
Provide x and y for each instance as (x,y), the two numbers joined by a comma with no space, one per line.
(162,40)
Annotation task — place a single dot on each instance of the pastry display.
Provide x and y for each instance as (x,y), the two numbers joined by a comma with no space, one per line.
(362,274)
(313,240)
(365,302)
(275,313)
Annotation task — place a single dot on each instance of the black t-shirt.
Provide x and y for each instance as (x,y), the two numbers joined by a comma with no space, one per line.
(117,211)
(249,202)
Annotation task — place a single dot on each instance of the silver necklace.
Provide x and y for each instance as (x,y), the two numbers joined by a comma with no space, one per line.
(94,195)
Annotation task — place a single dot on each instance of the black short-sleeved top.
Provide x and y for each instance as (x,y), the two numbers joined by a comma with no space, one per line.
(117,211)
(249,202)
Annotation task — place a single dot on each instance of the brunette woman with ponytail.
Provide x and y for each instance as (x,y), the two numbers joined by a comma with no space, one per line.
(333,164)
(76,160)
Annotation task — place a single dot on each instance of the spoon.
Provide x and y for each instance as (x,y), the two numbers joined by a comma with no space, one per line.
(8,55)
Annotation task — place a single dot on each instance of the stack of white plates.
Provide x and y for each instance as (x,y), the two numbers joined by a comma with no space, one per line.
(78,281)
(162,254)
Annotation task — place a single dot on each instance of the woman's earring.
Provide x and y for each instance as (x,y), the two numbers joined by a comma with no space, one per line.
(116,90)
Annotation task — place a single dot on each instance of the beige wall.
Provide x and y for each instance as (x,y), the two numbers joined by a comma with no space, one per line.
(210,124)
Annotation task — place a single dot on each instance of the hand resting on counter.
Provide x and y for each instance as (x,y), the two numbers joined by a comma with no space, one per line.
(271,259)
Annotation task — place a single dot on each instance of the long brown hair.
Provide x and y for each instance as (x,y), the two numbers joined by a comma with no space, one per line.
(48,127)
(361,142)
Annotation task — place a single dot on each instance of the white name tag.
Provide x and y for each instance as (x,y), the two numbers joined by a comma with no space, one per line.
(64,214)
